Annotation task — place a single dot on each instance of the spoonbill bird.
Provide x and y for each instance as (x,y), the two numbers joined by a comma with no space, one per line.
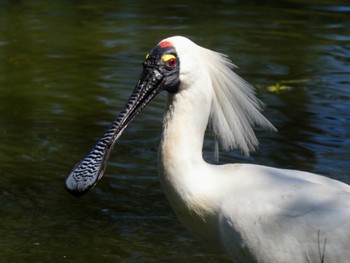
(253,213)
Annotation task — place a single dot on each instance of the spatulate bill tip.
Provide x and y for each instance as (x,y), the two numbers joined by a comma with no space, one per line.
(85,174)
(76,187)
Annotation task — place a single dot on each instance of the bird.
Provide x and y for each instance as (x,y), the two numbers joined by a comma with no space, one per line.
(253,213)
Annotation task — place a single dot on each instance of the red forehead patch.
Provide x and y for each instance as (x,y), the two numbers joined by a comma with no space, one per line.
(165,44)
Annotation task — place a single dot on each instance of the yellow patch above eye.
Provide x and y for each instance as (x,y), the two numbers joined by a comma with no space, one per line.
(166,57)
(147,56)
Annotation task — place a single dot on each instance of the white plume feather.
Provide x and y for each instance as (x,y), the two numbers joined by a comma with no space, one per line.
(235,109)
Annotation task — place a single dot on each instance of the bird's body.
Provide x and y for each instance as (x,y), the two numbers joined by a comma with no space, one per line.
(254,213)
(262,214)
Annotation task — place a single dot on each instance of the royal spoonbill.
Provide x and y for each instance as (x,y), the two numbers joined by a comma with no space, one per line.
(253,213)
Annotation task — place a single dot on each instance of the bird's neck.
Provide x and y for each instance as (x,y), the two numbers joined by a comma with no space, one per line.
(185,122)
(184,174)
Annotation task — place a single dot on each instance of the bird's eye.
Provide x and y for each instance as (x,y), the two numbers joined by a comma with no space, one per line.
(169,59)
(171,62)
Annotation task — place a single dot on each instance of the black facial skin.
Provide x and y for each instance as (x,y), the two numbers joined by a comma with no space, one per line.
(157,75)
(171,73)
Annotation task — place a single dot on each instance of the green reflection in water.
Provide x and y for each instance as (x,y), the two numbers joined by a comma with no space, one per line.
(66,68)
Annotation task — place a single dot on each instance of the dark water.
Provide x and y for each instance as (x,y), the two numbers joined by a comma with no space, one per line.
(66,69)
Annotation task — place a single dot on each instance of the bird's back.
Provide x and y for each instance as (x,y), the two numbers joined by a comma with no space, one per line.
(275,215)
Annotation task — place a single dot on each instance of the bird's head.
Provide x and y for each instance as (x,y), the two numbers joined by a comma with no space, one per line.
(179,60)
(163,59)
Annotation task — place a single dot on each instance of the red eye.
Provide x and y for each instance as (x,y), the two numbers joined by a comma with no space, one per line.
(171,62)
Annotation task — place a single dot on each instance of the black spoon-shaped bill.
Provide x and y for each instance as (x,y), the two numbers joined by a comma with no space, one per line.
(90,170)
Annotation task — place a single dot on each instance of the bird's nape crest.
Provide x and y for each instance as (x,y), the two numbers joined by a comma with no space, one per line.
(235,110)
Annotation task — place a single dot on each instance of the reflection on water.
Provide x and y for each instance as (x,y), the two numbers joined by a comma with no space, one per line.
(66,68)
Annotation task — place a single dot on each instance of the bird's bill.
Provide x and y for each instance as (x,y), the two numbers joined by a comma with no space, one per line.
(90,170)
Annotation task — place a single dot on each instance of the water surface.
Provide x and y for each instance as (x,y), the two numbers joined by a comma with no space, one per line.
(67,68)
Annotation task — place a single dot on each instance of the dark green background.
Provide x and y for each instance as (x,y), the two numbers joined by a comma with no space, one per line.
(66,69)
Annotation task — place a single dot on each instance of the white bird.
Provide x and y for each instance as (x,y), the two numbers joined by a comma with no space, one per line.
(253,213)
